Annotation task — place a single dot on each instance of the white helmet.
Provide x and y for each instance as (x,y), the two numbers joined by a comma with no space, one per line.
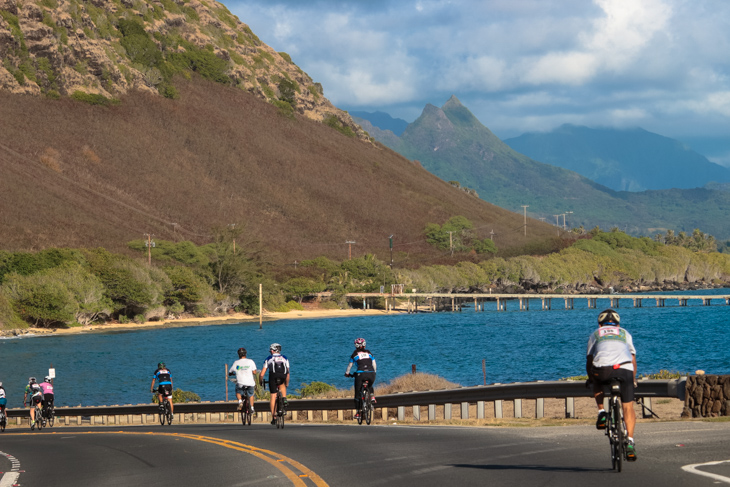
(275,347)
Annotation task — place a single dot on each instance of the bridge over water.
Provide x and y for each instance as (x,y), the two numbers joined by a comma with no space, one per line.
(415,302)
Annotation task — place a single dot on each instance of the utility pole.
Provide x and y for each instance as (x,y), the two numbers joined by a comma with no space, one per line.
(391,251)
(557,223)
(491,235)
(567,213)
(525,207)
(563,215)
(349,248)
(149,244)
(451,243)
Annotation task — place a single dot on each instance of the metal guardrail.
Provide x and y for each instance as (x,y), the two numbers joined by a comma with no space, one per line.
(674,388)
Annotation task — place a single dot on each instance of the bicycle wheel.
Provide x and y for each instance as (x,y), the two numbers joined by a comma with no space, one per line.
(249,416)
(367,407)
(51,416)
(162,413)
(39,418)
(620,438)
(243,417)
(3,421)
(168,412)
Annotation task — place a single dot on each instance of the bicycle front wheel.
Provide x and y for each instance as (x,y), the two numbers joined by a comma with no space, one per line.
(367,407)
(618,417)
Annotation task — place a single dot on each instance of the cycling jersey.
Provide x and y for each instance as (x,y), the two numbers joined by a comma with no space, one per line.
(363,361)
(244,369)
(611,345)
(276,364)
(2,392)
(163,376)
(47,388)
(34,392)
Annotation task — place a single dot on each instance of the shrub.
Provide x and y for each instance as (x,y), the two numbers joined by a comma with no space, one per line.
(416,382)
(93,98)
(333,122)
(178,396)
(203,62)
(315,388)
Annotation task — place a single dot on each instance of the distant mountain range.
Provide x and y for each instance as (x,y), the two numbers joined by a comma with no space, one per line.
(451,143)
(383,121)
(623,160)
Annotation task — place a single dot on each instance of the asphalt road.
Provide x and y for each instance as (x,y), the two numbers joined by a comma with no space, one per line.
(339,455)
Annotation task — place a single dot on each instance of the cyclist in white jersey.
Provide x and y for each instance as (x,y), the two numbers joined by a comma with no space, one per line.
(611,354)
(245,371)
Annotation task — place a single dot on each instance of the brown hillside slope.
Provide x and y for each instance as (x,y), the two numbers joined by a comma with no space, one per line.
(73,174)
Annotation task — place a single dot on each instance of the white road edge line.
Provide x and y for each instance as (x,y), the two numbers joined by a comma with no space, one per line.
(9,479)
(693,469)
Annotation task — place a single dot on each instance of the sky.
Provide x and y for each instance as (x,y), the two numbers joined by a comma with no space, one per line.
(518,65)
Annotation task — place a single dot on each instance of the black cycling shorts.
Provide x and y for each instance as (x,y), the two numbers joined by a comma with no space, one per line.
(48,399)
(275,380)
(603,375)
(165,390)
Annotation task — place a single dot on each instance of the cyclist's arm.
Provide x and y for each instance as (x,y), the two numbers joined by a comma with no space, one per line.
(375,366)
(633,361)
(152,386)
(349,367)
(589,365)
(286,382)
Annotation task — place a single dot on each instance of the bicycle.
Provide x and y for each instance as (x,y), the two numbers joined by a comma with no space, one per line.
(616,426)
(3,420)
(39,421)
(246,414)
(48,414)
(366,402)
(280,416)
(165,411)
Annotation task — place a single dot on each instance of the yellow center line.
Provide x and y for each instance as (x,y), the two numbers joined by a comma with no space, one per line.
(276,459)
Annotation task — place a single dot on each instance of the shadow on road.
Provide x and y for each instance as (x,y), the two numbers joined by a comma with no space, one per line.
(541,468)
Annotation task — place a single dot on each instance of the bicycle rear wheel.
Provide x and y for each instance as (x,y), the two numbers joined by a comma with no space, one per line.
(368,407)
(3,421)
(168,413)
(39,418)
(619,438)
(162,414)
(281,412)
(51,416)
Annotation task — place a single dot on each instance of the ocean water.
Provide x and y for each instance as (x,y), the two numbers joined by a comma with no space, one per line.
(116,367)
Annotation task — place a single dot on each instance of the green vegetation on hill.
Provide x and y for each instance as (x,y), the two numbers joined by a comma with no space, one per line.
(69,287)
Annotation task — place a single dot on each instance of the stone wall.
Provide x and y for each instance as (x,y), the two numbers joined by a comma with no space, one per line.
(707,396)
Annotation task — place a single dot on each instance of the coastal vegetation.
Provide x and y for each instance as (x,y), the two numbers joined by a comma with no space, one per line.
(71,287)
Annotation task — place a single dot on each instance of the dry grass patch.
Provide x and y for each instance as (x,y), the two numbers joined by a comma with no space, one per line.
(414,383)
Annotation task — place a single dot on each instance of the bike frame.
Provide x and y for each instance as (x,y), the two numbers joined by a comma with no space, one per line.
(616,426)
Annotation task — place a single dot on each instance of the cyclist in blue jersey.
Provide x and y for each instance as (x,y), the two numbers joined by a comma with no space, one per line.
(611,354)
(365,368)
(163,376)
(278,367)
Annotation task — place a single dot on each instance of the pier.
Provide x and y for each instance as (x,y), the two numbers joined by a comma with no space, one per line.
(455,301)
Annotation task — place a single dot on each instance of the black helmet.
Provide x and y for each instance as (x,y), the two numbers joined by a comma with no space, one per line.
(161,365)
(609,316)
(241,352)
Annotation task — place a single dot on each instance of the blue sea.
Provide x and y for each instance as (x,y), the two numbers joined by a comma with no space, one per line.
(116,367)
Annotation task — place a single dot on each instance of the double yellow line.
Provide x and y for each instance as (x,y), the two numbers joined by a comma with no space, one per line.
(297,473)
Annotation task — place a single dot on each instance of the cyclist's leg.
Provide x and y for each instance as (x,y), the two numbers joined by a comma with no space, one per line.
(358,385)
(168,393)
(240,396)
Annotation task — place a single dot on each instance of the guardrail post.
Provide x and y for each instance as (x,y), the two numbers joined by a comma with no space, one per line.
(401,413)
(646,401)
(498,409)
(464,410)
(518,408)
(310,415)
(416,413)
(340,415)
(432,412)
(325,415)
(570,407)
(143,419)
(384,414)
(540,407)
(480,409)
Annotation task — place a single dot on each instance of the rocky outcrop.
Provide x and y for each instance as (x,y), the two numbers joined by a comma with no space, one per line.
(707,396)
(58,47)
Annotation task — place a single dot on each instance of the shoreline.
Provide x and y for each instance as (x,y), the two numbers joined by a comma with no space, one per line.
(211,320)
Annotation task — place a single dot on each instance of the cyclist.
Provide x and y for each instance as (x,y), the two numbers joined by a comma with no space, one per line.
(164,382)
(47,388)
(611,354)
(245,370)
(278,367)
(33,395)
(3,399)
(365,368)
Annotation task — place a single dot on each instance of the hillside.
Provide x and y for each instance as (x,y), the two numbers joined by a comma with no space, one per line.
(83,176)
(622,159)
(451,143)
(101,50)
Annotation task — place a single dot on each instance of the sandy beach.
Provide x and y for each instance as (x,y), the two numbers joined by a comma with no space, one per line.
(212,320)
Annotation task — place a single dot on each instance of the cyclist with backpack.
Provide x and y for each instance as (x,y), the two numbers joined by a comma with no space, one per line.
(278,367)
(163,376)
(33,395)
(611,354)
(48,397)
(365,368)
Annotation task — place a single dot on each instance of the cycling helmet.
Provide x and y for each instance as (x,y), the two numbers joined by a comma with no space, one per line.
(1,384)
(241,352)
(161,365)
(359,343)
(609,316)
(275,347)
(31,379)
(47,378)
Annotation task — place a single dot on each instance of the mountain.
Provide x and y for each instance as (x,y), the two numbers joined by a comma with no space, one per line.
(450,142)
(622,159)
(125,119)
(382,121)
(97,51)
